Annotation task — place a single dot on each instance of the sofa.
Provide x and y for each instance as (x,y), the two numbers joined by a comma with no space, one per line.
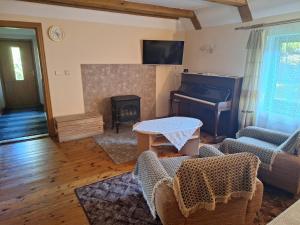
(237,211)
(281,149)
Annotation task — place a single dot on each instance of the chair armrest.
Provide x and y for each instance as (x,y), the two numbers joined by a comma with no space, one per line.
(271,136)
(148,163)
(290,167)
(167,206)
(209,151)
(232,146)
(150,174)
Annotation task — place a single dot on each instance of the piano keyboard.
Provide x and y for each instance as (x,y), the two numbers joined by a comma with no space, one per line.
(195,99)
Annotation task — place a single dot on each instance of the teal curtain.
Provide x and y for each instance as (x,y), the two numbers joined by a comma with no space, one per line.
(278,105)
(249,94)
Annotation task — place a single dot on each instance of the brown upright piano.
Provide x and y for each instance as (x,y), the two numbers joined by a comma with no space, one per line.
(214,99)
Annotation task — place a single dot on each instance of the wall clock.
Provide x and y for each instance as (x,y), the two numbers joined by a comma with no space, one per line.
(56,33)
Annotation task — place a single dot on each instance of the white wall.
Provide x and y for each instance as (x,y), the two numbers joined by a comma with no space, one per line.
(91,37)
(169,79)
(229,50)
(229,47)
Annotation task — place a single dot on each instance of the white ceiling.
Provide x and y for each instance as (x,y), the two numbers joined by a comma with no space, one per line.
(182,4)
(209,14)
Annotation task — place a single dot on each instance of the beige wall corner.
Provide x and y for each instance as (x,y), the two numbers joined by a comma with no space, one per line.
(168,78)
(221,49)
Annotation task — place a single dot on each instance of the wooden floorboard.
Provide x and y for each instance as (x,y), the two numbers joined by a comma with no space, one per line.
(38,178)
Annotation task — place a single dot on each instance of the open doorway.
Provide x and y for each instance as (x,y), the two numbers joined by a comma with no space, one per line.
(24,108)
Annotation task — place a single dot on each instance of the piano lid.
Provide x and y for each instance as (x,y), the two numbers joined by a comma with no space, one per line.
(208,74)
(205,92)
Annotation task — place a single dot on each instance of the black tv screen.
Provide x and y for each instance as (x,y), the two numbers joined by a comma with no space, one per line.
(163,52)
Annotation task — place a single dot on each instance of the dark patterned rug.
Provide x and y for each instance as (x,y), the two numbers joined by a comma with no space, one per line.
(119,201)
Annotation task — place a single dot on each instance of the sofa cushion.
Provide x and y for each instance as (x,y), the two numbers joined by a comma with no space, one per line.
(292,144)
(171,165)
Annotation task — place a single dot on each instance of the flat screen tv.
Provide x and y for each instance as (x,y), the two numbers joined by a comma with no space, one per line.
(163,52)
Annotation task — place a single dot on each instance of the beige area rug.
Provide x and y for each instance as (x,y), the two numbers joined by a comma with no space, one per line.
(121,147)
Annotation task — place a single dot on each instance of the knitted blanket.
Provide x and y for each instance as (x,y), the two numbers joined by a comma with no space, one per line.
(201,183)
(150,174)
(266,153)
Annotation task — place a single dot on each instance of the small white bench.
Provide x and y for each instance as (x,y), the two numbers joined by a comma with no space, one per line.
(291,216)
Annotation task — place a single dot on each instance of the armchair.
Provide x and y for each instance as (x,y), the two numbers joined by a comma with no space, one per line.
(238,211)
(278,152)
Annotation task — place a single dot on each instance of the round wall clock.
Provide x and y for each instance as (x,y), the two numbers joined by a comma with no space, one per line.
(56,33)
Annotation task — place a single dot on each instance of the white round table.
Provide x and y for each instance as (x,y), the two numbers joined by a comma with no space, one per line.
(181,132)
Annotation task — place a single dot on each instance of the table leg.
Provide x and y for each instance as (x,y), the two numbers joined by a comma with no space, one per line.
(144,141)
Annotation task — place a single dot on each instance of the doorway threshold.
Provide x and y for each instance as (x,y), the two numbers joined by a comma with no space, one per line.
(20,139)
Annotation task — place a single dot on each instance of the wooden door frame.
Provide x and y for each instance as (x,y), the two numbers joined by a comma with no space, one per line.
(39,37)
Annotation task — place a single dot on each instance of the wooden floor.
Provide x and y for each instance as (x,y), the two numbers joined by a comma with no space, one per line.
(38,178)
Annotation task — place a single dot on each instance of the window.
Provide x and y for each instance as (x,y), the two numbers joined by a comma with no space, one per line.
(17,63)
(279,97)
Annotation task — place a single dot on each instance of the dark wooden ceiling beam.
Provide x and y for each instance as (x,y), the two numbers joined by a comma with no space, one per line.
(242,6)
(196,22)
(245,13)
(127,7)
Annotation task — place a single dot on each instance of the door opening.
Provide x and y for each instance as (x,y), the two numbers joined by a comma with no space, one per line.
(22,102)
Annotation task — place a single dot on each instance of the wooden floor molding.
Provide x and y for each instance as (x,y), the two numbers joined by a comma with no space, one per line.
(38,178)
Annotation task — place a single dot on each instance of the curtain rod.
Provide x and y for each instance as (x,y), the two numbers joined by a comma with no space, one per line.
(260,25)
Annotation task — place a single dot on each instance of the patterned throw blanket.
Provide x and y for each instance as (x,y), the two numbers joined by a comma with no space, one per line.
(201,183)
(266,154)
(150,174)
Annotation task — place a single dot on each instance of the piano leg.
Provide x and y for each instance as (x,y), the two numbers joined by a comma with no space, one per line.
(216,138)
(174,103)
(171,107)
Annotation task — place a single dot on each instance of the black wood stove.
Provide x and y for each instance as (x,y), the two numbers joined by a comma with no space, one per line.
(125,109)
